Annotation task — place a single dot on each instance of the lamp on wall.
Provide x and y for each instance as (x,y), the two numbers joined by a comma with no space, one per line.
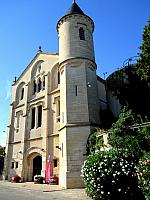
(57,147)
(88,84)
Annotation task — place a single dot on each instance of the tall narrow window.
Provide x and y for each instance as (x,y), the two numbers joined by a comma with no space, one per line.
(33,118)
(39,85)
(16,165)
(22,94)
(76,90)
(39,116)
(57,110)
(12,165)
(34,87)
(18,121)
(58,77)
(81,33)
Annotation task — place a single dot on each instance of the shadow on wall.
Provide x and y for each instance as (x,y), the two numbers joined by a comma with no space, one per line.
(12,173)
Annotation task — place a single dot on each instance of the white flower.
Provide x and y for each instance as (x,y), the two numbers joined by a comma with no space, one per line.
(102,192)
(119,190)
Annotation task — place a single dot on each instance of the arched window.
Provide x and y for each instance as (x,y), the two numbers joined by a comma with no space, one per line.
(34,87)
(58,77)
(81,33)
(39,85)
(22,94)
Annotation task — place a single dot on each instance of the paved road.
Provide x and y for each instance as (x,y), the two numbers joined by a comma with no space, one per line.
(16,193)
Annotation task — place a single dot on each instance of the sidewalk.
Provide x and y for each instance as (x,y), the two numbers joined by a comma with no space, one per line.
(42,191)
(32,186)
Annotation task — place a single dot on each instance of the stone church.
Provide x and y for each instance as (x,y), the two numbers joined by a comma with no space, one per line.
(56,102)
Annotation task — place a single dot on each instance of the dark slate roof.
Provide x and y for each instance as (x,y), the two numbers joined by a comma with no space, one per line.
(75,9)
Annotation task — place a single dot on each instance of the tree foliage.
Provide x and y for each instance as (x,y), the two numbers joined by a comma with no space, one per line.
(131,84)
(115,172)
(94,143)
(144,175)
(2,154)
(106,173)
(111,174)
(131,91)
(124,136)
(143,65)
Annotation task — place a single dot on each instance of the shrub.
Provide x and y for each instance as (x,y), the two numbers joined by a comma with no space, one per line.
(91,142)
(16,179)
(144,175)
(111,174)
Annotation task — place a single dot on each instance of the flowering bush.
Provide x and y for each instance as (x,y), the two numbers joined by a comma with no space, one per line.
(144,175)
(16,179)
(108,175)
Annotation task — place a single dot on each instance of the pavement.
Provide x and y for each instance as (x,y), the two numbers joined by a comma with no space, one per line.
(55,190)
(32,186)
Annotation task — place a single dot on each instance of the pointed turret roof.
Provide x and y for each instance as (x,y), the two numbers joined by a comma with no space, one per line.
(74,9)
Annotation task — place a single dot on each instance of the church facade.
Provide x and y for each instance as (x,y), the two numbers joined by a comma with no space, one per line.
(56,102)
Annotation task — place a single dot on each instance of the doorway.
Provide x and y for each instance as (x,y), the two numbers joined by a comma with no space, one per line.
(37,165)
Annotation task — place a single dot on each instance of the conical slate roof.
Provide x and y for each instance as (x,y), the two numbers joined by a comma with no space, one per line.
(75,9)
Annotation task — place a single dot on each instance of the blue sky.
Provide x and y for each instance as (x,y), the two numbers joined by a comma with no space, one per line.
(24,25)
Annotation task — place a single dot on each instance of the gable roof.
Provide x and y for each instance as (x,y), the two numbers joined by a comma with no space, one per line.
(32,61)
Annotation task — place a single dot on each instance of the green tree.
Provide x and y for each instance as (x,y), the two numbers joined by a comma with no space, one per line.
(2,155)
(143,65)
(131,84)
(123,136)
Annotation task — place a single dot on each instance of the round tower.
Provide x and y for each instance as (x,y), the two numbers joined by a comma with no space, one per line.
(79,104)
(75,32)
